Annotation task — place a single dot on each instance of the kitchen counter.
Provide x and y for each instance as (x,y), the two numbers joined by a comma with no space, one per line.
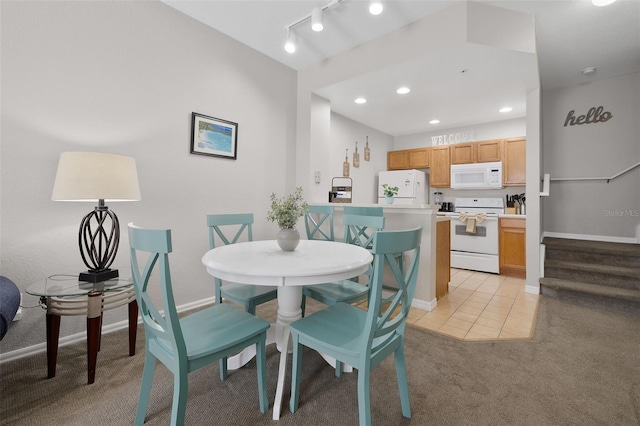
(514,216)
(405,216)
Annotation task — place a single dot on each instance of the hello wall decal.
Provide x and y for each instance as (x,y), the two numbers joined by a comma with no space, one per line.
(594,115)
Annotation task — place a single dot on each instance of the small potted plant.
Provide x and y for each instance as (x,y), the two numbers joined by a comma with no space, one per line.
(389,192)
(285,212)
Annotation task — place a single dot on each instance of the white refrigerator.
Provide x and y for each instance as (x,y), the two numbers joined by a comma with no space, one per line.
(413,186)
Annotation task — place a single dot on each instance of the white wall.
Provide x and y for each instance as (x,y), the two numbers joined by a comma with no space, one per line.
(344,133)
(593,209)
(124,77)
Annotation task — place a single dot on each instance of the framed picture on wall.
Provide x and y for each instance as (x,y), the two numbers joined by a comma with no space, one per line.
(213,136)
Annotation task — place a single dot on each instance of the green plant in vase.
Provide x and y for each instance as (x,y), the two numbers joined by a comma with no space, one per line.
(389,192)
(285,212)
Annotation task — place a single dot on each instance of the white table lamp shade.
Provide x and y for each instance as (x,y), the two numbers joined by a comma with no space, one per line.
(92,176)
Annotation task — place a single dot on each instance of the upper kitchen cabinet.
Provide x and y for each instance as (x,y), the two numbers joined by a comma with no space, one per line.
(463,153)
(514,162)
(397,160)
(440,167)
(418,158)
(489,151)
(408,159)
(476,152)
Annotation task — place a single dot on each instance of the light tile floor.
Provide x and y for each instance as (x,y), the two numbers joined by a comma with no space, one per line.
(481,306)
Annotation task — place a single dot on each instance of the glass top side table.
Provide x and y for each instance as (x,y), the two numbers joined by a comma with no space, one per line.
(65,295)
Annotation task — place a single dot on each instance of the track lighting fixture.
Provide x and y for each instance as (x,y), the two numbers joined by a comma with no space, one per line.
(316,19)
(292,41)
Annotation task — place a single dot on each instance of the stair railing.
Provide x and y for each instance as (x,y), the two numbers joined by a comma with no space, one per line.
(608,179)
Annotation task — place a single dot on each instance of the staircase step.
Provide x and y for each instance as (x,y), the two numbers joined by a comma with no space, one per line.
(613,276)
(618,299)
(600,252)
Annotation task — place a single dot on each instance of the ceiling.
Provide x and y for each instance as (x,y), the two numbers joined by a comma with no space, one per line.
(570,35)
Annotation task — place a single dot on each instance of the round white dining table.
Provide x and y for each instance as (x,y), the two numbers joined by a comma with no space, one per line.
(264,263)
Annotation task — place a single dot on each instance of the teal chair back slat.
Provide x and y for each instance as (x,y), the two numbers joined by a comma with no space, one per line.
(229,228)
(359,229)
(157,245)
(216,221)
(363,211)
(393,314)
(318,222)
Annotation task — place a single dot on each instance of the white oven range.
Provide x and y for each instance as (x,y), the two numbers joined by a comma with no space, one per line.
(476,249)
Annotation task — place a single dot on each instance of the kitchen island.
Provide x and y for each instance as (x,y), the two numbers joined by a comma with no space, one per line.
(399,217)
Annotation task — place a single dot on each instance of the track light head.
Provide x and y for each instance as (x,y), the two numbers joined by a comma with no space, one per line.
(292,41)
(316,19)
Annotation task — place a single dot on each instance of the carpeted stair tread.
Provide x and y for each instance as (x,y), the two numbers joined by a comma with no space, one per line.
(622,271)
(593,289)
(622,249)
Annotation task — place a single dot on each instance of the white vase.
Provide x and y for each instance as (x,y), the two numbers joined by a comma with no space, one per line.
(388,200)
(288,238)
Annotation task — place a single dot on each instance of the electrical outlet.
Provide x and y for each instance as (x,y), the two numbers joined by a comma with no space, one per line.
(317,176)
(19,311)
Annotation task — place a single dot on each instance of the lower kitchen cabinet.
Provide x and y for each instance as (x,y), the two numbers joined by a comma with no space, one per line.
(513,256)
(443,257)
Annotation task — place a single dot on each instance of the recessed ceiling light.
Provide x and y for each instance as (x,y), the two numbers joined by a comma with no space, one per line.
(434,121)
(602,2)
(375,7)
(403,90)
(360,101)
(589,70)
(505,109)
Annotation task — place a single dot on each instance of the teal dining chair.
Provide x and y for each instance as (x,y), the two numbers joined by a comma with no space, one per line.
(230,229)
(318,222)
(364,338)
(358,230)
(185,344)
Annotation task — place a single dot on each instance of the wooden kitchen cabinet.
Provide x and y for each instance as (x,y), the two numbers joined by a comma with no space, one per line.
(443,257)
(514,162)
(440,167)
(397,160)
(476,152)
(418,158)
(489,151)
(513,255)
(463,153)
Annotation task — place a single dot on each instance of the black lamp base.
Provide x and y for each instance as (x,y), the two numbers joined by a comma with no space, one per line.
(98,276)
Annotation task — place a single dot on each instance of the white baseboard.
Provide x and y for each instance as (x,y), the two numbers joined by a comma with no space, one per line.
(80,337)
(425,305)
(605,238)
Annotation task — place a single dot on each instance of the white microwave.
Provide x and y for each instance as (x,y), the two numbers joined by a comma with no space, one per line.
(476,176)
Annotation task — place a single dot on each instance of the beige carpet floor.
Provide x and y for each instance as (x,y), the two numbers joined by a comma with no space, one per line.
(582,367)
